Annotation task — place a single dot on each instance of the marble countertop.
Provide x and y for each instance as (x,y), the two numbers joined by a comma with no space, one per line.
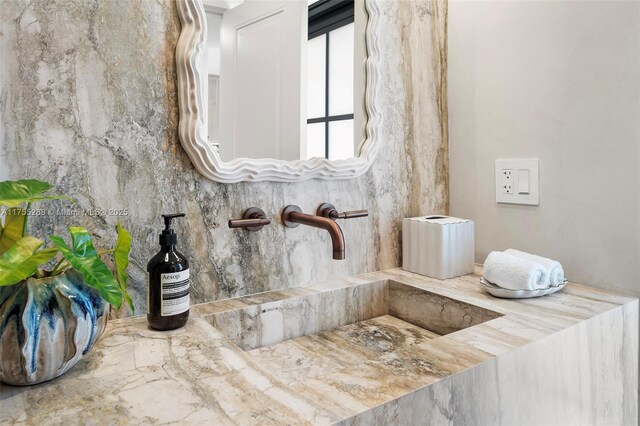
(197,375)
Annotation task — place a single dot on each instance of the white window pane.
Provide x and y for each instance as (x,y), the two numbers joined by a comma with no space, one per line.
(341,140)
(316,64)
(341,70)
(315,140)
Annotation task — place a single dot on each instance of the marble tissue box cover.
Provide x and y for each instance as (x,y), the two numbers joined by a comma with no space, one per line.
(438,246)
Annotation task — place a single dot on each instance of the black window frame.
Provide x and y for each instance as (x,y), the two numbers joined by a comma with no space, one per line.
(324,17)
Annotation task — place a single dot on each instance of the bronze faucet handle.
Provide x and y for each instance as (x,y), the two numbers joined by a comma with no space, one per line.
(328,210)
(350,215)
(253,220)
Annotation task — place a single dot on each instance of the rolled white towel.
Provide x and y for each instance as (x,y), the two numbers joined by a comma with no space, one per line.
(553,268)
(514,273)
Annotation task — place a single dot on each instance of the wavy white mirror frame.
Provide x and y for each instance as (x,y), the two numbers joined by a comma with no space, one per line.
(192,128)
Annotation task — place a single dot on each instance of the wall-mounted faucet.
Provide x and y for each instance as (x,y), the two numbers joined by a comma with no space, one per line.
(324,218)
(253,219)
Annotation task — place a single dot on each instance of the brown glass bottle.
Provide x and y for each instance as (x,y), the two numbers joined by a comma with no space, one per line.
(168,283)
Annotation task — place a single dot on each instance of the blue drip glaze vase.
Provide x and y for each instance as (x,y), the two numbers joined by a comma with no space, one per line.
(47,325)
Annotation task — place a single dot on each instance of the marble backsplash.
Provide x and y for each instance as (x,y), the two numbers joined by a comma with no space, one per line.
(89,103)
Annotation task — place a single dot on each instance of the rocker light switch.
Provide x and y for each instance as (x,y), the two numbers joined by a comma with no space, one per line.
(517,182)
(523,181)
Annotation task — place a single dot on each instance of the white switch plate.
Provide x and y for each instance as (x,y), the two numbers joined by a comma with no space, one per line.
(511,182)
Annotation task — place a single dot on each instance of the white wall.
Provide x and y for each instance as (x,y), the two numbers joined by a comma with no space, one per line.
(558,81)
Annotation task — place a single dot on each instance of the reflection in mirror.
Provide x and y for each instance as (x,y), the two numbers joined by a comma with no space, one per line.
(286,78)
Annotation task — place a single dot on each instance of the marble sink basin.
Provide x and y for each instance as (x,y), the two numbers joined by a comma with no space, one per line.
(351,346)
(381,317)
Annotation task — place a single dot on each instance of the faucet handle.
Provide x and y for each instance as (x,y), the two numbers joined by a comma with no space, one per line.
(328,210)
(352,214)
(253,219)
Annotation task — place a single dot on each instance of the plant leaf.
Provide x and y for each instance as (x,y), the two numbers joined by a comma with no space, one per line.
(84,259)
(121,259)
(14,227)
(21,260)
(14,193)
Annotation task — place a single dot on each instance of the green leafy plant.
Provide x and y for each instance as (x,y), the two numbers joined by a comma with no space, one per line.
(22,256)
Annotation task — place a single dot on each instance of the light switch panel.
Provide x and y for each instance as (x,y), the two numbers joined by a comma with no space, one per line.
(517,182)
(524,181)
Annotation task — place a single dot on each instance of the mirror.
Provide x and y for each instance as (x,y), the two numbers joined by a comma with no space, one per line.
(279,90)
(285,78)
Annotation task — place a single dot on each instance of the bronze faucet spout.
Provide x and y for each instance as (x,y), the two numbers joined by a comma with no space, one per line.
(292,216)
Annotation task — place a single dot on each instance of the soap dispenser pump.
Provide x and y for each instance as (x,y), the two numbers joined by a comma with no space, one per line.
(168,282)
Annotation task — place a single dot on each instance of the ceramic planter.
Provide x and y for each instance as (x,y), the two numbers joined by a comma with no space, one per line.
(46,326)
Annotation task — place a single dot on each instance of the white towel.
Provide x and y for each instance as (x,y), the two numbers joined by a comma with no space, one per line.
(553,268)
(514,273)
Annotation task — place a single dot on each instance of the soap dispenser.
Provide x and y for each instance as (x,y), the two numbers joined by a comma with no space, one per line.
(168,282)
